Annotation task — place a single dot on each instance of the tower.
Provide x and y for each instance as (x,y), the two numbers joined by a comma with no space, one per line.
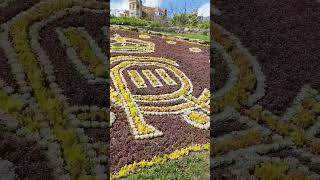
(135,8)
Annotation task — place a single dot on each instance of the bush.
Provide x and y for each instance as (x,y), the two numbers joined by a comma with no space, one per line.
(129,21)
(204,25)
(188,20)
(156,24)
(180,20)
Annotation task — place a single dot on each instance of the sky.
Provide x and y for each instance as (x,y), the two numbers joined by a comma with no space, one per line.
(173,6)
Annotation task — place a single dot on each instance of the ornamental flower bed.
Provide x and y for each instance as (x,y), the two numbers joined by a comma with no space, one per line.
(265,105)
(53,100)
(159,99)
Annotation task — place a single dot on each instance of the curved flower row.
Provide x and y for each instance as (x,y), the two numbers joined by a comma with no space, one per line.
(129,45)
(76,41)
(165,76)
(297,129)
(250,84)
(163,35)
(138,126)
(49,100)
(137,79)
(134,112)
(158,160)
(195,50)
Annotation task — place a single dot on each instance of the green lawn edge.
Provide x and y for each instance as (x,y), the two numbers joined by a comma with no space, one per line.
(193,36)
(194,166)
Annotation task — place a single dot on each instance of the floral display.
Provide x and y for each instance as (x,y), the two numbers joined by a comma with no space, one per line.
(155,97)
(171,42)
(53,102)
(144,36)
(195,50)
(249,138)
(121,44)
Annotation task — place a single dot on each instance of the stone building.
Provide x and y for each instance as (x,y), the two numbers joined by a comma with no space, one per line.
(137,9)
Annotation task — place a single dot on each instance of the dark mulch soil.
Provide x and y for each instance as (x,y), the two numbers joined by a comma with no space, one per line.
(188,62)
(220,128)
(74,85)
(14,8)
(285,153)
(221,174)
(221,72)
(284,36)
(5,70)
(97,134)
(29,160)
(124,149)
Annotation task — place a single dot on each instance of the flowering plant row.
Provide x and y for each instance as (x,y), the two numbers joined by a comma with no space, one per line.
(129,45)
(147,87)
(48,117)
(129,102)
(259,147)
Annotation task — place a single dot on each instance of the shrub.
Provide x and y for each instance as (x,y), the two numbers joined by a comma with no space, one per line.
(189,20)
(204,25)
(129,21)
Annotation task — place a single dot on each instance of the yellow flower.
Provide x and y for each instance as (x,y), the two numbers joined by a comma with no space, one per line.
(171,42)
(144,36)
(195,50)
(198,118)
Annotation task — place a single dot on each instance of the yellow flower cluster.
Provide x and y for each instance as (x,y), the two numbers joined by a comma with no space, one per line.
(154,81)
(137,79)
(129,45)
(78,41)
(198,118)
(171,42)
(114,96)
(205,96)
(165,76)
(144,36)
(119,38)
(195,50)
(138,125)
(168,108)
(157,160)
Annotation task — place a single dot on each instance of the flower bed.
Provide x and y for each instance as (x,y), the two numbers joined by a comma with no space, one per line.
(161,106)
(260,128)
(53,89)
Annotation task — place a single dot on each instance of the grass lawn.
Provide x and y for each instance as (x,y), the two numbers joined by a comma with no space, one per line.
(193,36)
(195,166)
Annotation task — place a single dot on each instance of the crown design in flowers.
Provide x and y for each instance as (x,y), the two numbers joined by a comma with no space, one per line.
(120,44)
(194,110)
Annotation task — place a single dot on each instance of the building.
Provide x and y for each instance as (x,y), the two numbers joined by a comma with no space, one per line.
(125,13)
(137,9)
(119,13)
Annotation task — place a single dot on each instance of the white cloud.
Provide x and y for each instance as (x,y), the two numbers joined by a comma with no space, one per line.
(152,3)
(204,10)
(119,4)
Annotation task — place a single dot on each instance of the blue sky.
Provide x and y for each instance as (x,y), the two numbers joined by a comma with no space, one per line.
(173,6)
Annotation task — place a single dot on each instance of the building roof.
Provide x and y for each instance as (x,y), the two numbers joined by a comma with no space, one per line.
(153,9)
